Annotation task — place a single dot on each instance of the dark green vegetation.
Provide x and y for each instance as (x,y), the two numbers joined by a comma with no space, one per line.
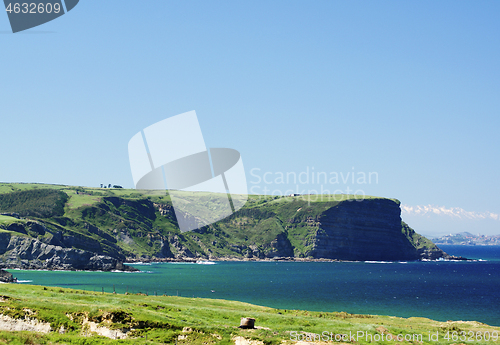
(41,203)
(141,225)
(76,317)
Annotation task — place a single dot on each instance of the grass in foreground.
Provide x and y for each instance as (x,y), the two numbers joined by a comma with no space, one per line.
(170,319)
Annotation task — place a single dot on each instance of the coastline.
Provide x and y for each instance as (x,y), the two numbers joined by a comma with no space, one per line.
(383,288)
(131,261)
(138,261)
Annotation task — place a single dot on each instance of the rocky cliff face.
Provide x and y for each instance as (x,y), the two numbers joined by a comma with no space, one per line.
(6,277)
(29,253)
(356,230)
(362,230)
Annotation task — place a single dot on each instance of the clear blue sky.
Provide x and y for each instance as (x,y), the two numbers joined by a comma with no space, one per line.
(407,90)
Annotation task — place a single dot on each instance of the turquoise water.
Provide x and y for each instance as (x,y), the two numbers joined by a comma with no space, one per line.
(439,290)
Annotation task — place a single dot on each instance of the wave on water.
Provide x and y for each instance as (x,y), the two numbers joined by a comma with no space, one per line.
(118,271)
(139,263)
(25,281)
(379,262)
(386,262)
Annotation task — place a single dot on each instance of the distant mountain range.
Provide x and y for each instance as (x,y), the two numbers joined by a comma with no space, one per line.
(468,239)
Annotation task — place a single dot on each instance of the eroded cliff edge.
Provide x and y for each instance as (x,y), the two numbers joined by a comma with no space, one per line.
(368,230)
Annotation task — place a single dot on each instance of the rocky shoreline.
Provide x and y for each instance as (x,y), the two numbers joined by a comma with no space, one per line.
(6,277)
(131,261)
(18,252)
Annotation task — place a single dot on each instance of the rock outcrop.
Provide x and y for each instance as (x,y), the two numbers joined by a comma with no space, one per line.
(364,230)
(10,324)
(6,277)
(29,253)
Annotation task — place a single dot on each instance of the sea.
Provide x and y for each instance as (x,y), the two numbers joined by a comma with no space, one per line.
(439,290)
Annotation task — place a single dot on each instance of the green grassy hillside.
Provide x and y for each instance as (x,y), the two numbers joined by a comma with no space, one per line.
(132,224)
(168,320)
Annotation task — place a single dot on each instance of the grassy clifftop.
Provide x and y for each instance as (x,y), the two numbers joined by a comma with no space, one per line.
(80,317)
(131,224)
